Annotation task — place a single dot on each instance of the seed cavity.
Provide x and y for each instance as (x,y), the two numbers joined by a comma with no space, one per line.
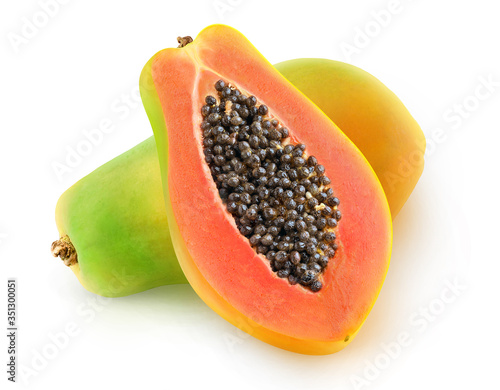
(279,197)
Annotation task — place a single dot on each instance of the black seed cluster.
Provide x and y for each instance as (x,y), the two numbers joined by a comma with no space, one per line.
(279,197)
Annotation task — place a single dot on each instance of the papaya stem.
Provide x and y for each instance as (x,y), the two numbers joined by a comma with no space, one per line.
(184,41)
(64,249)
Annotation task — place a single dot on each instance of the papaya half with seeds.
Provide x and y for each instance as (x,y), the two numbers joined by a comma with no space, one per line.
(278,221)
(341,90)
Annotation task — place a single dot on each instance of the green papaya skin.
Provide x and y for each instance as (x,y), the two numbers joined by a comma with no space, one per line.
(113,225)
(115,219)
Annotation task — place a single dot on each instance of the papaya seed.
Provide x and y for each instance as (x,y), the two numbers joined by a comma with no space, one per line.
(280,198)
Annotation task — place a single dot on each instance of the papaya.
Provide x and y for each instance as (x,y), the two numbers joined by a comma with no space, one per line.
(124,188)
(113,227)
(371,115)
(277,219)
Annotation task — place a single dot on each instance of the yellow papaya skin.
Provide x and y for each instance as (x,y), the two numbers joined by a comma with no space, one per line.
(115,216)
(371,115)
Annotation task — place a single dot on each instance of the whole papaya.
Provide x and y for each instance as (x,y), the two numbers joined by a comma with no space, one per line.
(371,115)
(113,228)
(112,223)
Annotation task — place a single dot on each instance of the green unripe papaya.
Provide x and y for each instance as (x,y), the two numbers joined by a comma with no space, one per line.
(113,225)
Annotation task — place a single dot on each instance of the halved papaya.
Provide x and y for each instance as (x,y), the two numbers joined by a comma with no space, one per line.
(313,302)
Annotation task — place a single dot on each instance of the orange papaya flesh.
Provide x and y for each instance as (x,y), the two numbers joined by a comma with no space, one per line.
(217,260)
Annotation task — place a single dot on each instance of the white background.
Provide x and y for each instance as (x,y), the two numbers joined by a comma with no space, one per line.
(79,68)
